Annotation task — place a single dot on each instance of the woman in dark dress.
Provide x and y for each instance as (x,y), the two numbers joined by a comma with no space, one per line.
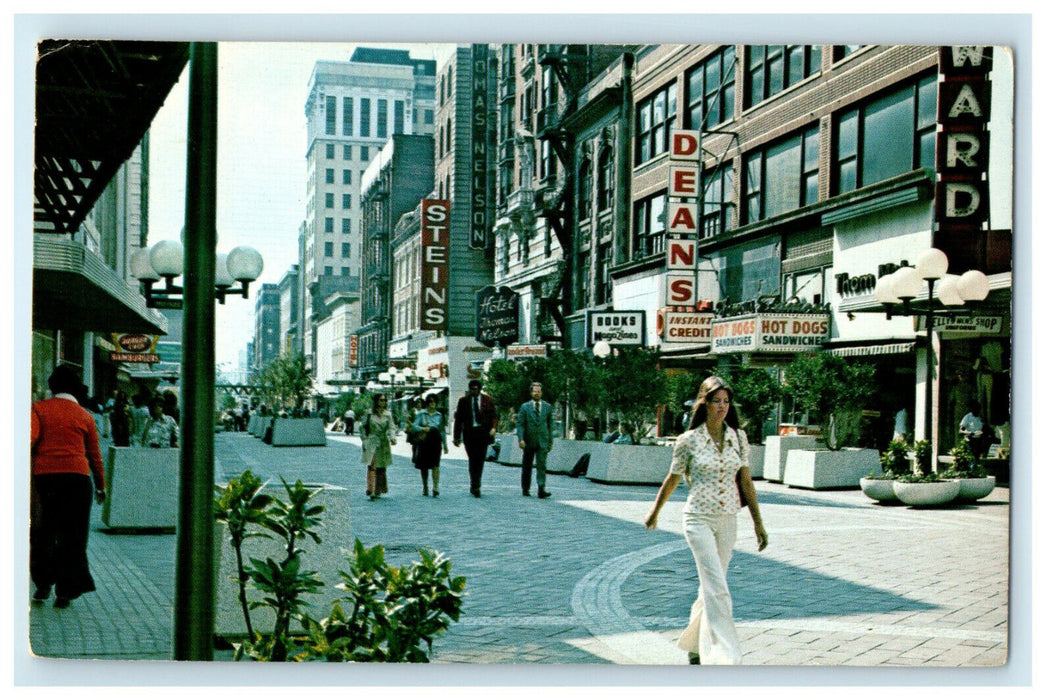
(430,450)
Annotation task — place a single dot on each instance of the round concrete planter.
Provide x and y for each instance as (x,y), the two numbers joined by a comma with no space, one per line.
(878,489)
(926,493)
(973,489)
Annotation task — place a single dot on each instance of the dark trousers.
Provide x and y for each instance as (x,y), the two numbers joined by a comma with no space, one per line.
(529,456)
(476,440)
(58,533)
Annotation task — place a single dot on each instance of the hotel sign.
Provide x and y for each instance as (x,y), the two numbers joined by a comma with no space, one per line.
(496,316)
(435,264)
(771,333)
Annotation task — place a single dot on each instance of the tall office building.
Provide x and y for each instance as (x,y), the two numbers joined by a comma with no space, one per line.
(353,107)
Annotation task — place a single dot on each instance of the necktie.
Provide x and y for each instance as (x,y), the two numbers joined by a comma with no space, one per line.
(537,407)
(475,409)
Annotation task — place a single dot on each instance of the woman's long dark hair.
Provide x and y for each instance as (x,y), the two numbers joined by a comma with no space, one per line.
(706,390)
(376,401)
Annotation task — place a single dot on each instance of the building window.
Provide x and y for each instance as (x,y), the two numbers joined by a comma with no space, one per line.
(584,281)
(363,118)
(585,189)
(449,135)
(347,151)
(546,161)
(605,183)
(328,246)
(330,151)
(329,225)
(783,177)
(711,91)
(382,119)
(345,225)
(772,69)
(328,270)
(524,247)
(400,116)
(329,176)
(347,177)
(898,135)
(718,202)
(363,154)
(649,228)
(345,271)
(329,200)
(809,286)
(655,118)
(429,116)
(842,51)
(349,116)
(345,201)
(345,248)
(330,115)
(603,274)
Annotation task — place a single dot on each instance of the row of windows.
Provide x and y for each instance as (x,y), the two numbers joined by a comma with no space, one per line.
(363,152)
(345,249)
(330,176)
(345,226)
(344,271)
(365,125)
(886,136)
(710,90)
(330,199)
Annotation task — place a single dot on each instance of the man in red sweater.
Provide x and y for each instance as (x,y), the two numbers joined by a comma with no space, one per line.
(65,462)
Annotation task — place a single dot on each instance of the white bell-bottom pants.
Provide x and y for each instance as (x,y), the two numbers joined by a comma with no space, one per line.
(711,631)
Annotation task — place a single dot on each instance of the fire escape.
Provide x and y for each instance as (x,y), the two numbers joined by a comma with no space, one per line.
(556,204)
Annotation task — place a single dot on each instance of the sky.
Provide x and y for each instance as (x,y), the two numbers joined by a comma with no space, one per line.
(261,164)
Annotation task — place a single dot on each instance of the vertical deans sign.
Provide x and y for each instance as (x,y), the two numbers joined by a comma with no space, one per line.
(479,238)
(435,264)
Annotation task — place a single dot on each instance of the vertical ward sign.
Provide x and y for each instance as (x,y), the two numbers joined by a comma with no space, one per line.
(435,264)
(682,218)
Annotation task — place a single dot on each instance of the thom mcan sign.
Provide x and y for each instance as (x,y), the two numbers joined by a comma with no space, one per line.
(435,264)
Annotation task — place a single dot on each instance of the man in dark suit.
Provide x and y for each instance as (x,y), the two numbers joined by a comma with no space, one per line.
(534,426)
(475,421)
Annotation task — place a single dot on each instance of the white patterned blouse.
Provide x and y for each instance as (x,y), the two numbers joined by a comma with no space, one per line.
(710,473)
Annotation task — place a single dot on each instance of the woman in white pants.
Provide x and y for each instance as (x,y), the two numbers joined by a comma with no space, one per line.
(713,456)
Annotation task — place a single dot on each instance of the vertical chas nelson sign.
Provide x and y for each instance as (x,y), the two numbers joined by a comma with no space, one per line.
(479,229)
(435,264)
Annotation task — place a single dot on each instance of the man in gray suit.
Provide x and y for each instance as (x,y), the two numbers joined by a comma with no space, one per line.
(534,426)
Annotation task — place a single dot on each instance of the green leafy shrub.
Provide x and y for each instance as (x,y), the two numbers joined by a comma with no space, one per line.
(894,460)
(923,456)
(393,611)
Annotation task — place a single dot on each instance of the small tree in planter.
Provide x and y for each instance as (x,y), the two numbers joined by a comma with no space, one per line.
(834,389)
(289,381)
(509,386)
(577,379)
(894,460)
(757,393)
(634,386)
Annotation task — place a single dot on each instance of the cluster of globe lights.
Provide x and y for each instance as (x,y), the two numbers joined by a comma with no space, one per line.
(907,283)
(165,259)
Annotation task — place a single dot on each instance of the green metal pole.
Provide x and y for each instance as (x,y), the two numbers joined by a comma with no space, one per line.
(194,611)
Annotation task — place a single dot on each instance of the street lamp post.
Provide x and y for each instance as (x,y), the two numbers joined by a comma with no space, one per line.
(896,292)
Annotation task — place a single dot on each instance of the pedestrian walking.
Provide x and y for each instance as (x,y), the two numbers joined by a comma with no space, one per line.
(432,446)
(65,466)
(121,420)
(161,429)
(475,421)
(713,456)
(378,435)
(534,427)
(349,421)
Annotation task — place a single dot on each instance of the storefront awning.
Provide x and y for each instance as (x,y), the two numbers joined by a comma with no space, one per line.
(75,290)
(892,347)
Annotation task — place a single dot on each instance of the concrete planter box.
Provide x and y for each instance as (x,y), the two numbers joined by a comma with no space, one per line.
(255,427)
(289,432)
(878,489)
(975,488)
(776,448)
(566,453)
(757,461)
(142,488)
(510,452)
(926,494)
(829,469)
(631,464)
(327,558)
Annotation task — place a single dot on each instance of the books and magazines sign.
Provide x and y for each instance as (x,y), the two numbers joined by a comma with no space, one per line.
(616,327)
